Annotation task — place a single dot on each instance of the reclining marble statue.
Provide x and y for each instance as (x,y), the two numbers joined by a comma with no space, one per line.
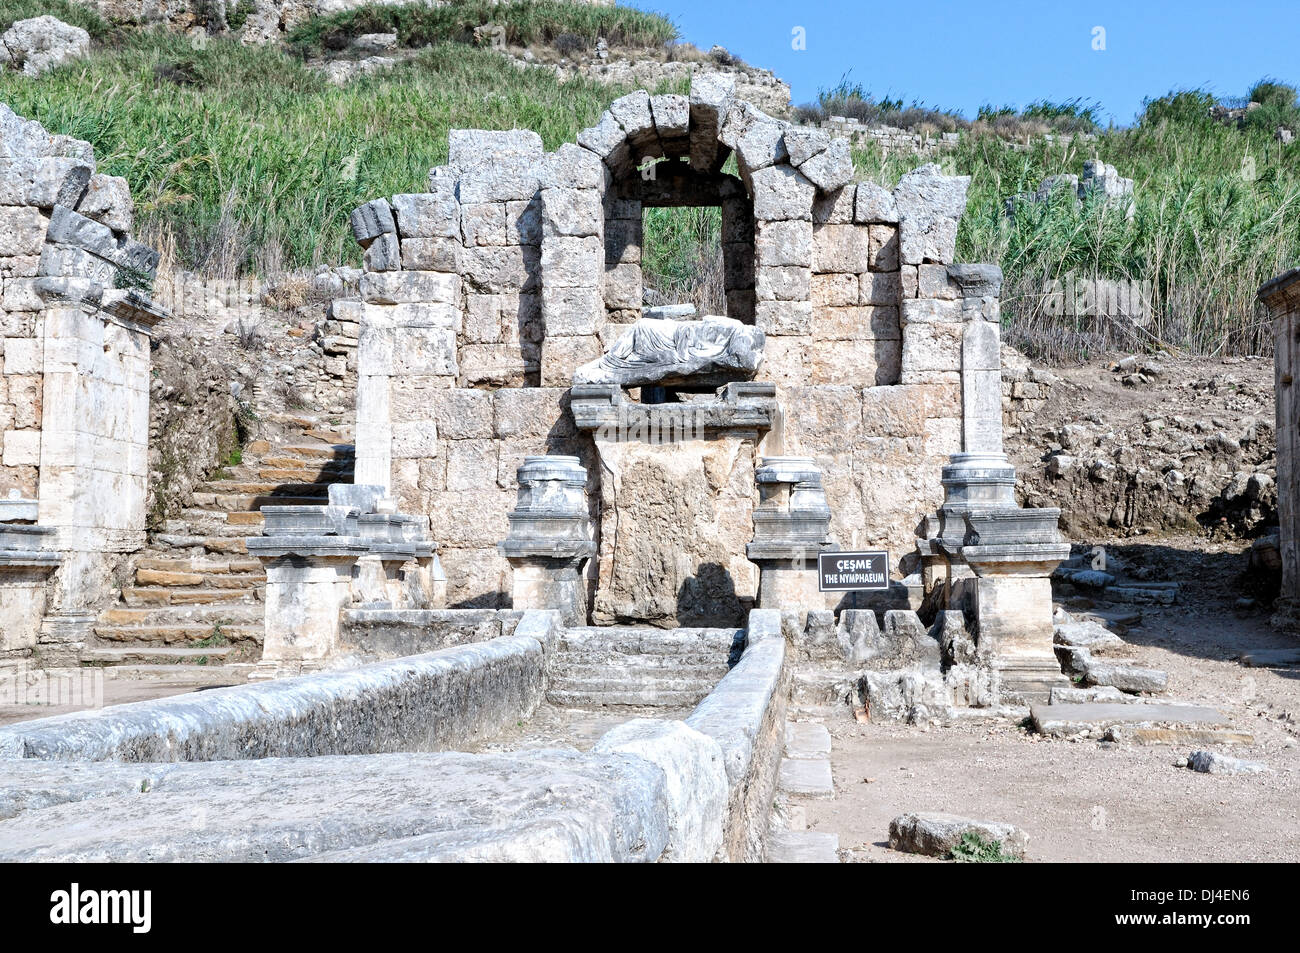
(665,351)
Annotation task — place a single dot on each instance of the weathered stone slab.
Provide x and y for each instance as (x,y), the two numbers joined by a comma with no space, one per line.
(380,807)
(695,788)
(803,847)
(1127,678)
(806,740)
(1059,720)
(806,777)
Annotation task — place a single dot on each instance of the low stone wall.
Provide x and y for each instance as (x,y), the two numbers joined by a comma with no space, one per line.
(649,791)
(427,702)
(745,715)
(376,634)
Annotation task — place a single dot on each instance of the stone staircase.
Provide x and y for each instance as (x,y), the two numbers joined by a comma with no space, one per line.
(197,596)
(626,665)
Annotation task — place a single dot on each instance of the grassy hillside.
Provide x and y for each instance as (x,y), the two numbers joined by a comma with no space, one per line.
(1217,214)
(243,159)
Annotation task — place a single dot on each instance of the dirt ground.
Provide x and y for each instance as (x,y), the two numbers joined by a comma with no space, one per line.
(1095,801)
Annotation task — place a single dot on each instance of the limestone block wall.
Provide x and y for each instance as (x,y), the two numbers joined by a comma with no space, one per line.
(74,397)
(482,296)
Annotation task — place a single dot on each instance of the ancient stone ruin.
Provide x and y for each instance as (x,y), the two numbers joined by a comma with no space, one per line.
(562,502)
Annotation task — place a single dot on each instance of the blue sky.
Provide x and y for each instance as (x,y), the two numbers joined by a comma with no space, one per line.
(1003,52)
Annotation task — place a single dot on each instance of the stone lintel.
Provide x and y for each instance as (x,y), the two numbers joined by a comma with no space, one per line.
(13,559)
(311,521)
(308,547)
(1281,295)
(134,307)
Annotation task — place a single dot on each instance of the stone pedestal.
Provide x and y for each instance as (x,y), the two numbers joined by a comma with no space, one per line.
(997,564)
(550,537)
(321,560)
(308,583)
(791,527)
(676,487)
(971,481)
(1011,602)
(25,568)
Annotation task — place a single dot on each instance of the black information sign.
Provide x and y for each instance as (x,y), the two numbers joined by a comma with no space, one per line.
(843,572)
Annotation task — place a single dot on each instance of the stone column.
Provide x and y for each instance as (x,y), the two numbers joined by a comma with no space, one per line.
(1282,297)
(25,568)
(1010,600)
(550,537)
(310,555)
(791,527)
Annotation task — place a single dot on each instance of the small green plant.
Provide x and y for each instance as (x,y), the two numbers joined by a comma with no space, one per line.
(127,278)
(237,13)
(975,849)
(216,638)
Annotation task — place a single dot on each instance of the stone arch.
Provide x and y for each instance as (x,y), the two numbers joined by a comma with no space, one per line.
(591,211)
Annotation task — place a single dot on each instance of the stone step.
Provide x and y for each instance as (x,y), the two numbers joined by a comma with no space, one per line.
(222,522)
(180,633)
(207,676)
(327,435)
(160,596)
(251,503)
(292,453)
(223,545)
(806,777)
(325,473)
(153,655)
(806,740)
(576,698)
(204,567)
(639,640)
(184,614)
(263,488)
(573,665)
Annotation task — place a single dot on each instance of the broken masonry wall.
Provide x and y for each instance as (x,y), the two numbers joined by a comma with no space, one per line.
(484,294)
(76,325)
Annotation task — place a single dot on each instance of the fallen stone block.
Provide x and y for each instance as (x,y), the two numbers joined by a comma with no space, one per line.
(1211,762)
(1088,635)
(1126,678)
(909,695)
(1143,595)
(935,835)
